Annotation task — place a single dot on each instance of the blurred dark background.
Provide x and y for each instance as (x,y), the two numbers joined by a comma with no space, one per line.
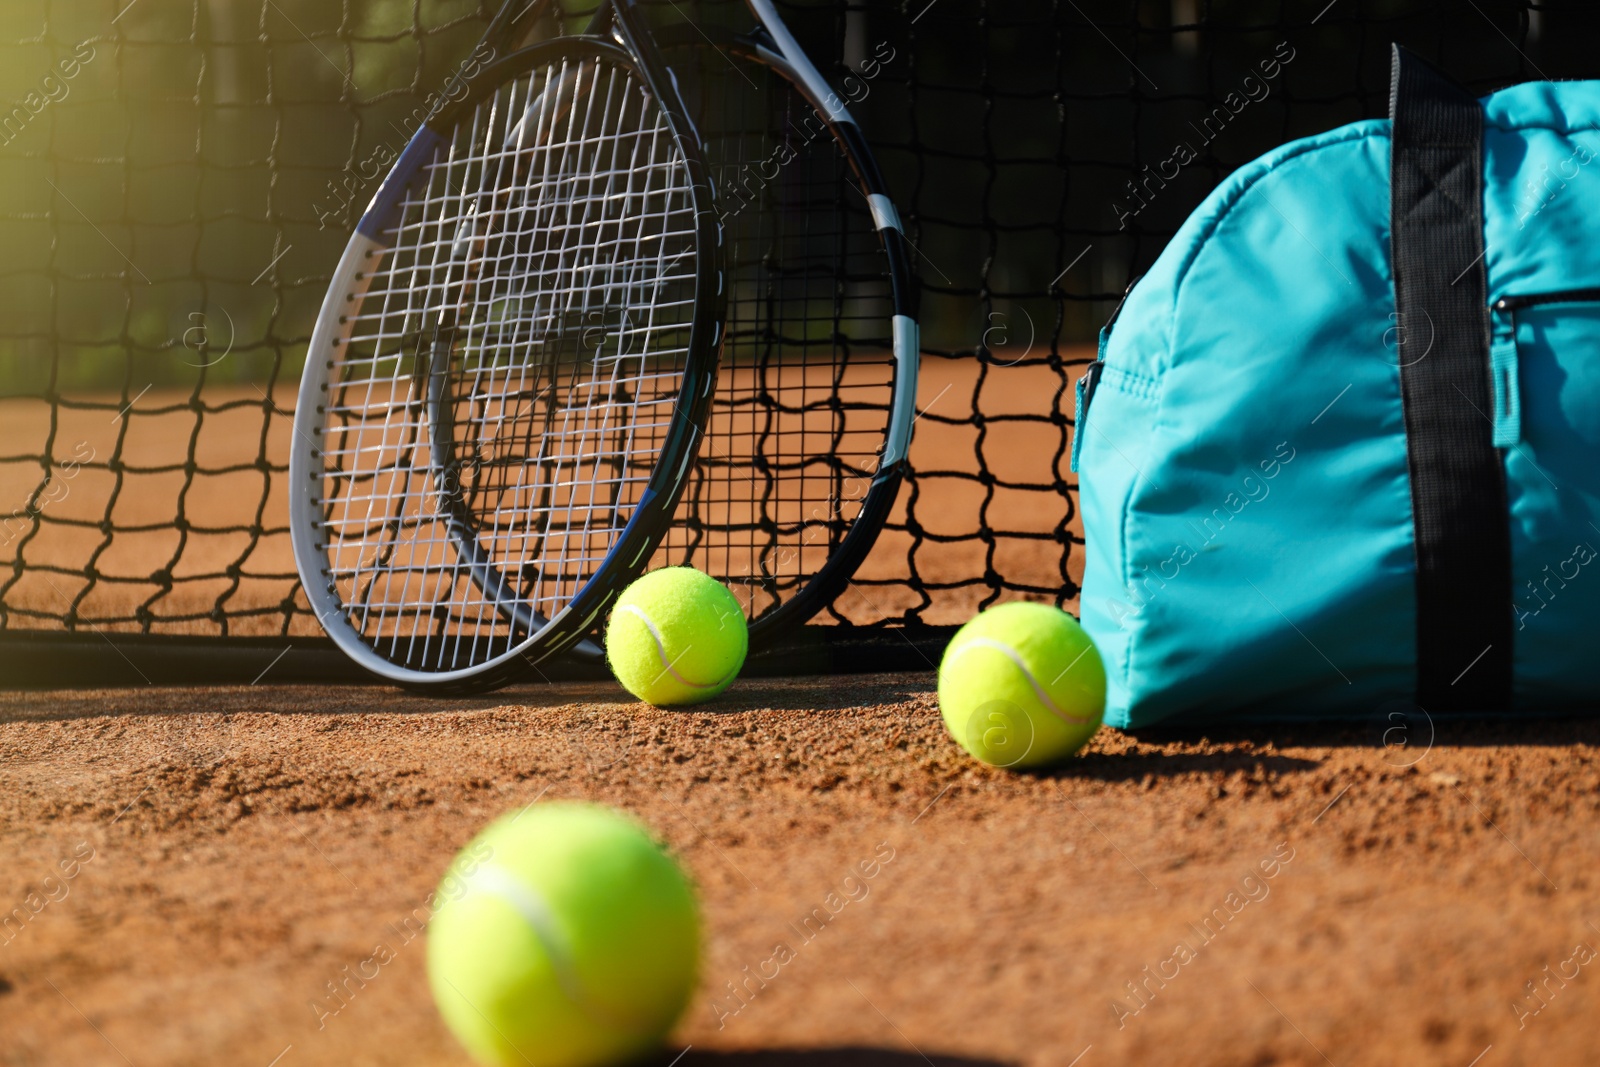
(188,188)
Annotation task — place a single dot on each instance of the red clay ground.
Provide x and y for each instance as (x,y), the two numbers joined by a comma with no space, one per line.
(229,865)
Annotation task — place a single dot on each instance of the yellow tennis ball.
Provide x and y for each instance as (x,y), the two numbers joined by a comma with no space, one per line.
(563,937)
(676,636)
(1022,685)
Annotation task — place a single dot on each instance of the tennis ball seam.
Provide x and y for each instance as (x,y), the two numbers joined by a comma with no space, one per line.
(1016,658)
(661,651)
(534,910)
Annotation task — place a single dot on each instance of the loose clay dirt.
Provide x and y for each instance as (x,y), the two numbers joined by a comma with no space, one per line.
(1368,894)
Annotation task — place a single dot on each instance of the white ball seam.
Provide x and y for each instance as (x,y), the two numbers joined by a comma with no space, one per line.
(661,650)
(1012,654)
(534,910)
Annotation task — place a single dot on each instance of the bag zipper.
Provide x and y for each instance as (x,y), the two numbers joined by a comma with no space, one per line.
(1084,392)
(1504,372)
(1564,296)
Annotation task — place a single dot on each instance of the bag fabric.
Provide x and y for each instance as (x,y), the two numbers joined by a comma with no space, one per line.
(1341,448)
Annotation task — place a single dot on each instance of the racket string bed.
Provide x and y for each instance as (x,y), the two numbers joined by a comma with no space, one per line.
(511,367)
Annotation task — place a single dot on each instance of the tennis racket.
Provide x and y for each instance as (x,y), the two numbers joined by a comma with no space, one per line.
(806,444)
(509,378)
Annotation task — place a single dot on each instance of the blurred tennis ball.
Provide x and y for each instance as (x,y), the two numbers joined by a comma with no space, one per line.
(1022,685)
(676,636)
(575,943)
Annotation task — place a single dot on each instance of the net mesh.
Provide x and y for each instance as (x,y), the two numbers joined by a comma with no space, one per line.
(806,380)
(178,180)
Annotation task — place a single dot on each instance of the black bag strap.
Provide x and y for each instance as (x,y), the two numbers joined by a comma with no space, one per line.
(1458,489)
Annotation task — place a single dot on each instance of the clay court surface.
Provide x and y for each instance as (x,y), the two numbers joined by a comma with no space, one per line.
(236,850)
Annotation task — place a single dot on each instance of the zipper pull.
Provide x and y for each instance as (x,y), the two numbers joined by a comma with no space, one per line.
(1083,395)
(1503,372)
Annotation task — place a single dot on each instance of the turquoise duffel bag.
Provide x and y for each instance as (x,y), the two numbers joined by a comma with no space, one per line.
(1341,447)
